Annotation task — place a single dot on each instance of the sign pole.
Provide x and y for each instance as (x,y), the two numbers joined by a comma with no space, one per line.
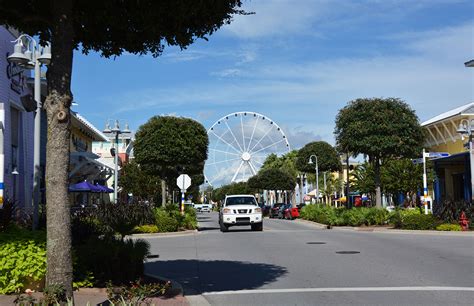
(425,185)
(182,202)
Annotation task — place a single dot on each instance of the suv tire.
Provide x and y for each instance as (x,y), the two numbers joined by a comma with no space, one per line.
(258,227)
(224,228)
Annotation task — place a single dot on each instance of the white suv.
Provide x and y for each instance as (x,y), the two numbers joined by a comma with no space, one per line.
(240,210)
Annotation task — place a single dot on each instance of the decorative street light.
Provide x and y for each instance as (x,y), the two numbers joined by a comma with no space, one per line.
(310,162)
(116,130)
(466,128)
(32,58)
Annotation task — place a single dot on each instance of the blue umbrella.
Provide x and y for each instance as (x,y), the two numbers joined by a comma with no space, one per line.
(84,187)
(104,188)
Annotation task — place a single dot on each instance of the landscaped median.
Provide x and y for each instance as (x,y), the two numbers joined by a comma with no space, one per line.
(102,256)
(408,219)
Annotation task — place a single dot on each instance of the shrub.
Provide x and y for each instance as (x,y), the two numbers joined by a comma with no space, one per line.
(189,222)
(419,222)
(112,259)
(353,217)
(397,217)
(169,218)
(165,222)
(146,229)
(6,214)
(376,216)
(319,213)
(122,218)
(449,227)
(22,259)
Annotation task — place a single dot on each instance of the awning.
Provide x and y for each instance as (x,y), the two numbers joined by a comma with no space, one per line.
(88,164)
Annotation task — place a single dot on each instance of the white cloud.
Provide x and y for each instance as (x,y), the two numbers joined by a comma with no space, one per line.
(231,72)
(430,76)
(273,18)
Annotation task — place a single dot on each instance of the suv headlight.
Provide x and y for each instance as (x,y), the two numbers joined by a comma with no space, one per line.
(258,210)
(226,211)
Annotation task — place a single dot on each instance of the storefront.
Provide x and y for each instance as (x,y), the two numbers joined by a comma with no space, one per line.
(452,173)
(16,128)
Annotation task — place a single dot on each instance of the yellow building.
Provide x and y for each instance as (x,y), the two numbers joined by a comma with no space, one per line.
(453,173)
(84,164)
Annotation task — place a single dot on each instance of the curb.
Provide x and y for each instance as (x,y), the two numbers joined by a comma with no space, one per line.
(315,224)
(386,230)
(163,235)
(176,288)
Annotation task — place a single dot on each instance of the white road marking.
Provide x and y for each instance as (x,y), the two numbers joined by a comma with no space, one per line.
(343,289)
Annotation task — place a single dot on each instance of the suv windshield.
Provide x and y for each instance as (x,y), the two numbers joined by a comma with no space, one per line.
(240,201)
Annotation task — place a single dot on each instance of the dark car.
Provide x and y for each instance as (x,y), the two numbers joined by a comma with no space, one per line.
(282,210)
(265,209)
(274,210)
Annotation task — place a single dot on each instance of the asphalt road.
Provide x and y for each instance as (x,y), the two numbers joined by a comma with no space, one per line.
(295,263)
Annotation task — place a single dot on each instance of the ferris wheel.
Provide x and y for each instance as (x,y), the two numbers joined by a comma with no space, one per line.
(239,143)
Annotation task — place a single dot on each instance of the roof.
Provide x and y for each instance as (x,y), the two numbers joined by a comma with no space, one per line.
(467,109)
(469,63)
(96,134)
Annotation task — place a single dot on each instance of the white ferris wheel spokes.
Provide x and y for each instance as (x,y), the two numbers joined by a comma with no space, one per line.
(239,144)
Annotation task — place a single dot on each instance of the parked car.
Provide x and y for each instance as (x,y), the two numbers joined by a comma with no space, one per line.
(281,211)
(291,212)
(265,209)
(274,210)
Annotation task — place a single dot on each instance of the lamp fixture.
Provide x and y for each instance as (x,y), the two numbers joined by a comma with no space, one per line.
(18,57)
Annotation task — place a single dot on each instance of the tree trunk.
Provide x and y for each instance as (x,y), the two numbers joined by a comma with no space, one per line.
(163,193)
(378,193)
(57,105)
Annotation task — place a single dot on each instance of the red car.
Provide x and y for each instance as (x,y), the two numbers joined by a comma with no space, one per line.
(291,213)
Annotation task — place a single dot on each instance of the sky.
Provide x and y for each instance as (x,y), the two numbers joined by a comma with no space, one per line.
(297,62)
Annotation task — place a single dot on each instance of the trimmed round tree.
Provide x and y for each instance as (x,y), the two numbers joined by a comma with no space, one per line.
(328,159)
(109,28)
(379,128)
(272,179)
(167,146)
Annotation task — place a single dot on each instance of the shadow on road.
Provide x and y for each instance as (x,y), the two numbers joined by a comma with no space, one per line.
(207,228)
(203,218)
(198,276)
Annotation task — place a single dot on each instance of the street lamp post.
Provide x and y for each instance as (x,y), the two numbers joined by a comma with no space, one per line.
(317,174)
(466,127)
(32,58)
(116,130)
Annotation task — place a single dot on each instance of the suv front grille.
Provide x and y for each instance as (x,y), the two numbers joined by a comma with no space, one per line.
(242,211)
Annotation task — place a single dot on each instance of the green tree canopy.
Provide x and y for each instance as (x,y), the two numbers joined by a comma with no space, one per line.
(219,194)
(272,179)
(381,129)
(168,146)
(328,159)
(286,162)
(109,28)
(397,176)
(142,185)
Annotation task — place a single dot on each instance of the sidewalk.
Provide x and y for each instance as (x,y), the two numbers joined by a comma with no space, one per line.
(388,230)
(98,296)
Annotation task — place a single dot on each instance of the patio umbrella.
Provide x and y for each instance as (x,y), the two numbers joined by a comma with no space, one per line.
(103,188)
(84,187)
